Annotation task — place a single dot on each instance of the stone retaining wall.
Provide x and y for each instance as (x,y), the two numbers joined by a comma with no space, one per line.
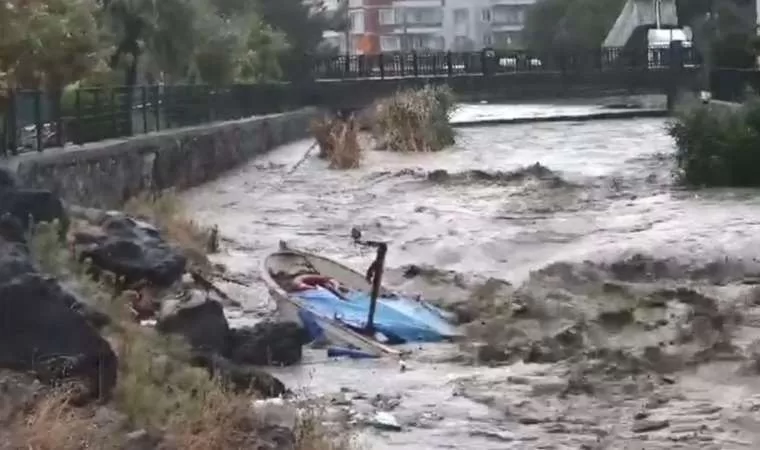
(106,174)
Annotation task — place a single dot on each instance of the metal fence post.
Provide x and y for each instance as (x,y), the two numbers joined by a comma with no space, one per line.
(57,117)
(77,125)
(210,103)
(415,64)
(157,106)
(381,63)
(38,118)
(12,130)
(449,68)
(675,70)
(114,123)
(144,107)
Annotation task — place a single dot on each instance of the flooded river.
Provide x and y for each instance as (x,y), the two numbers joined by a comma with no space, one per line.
(595,225)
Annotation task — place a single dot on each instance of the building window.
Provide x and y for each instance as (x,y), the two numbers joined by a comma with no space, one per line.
(387,17)
(424,16)
(460,15)
(357,21)
(509,15)
(390,43)
(485,14)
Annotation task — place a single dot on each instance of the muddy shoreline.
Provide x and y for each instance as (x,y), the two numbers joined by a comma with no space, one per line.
(611,309)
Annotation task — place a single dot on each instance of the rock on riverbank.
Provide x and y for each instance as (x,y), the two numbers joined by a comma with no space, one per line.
(50,340)
(42,330)
(151,270)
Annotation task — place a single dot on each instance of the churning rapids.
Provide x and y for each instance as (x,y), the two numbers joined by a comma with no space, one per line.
(617,311)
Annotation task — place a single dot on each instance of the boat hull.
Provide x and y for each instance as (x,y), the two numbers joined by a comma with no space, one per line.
(294,308)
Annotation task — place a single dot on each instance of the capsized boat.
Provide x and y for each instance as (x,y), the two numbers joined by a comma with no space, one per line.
(334,303)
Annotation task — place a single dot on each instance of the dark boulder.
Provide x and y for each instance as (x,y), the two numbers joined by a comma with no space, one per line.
(31,206)
(7,179)
(135,251)
(41,330)
(239,378)
(268,343)
(96,318)
(201,322)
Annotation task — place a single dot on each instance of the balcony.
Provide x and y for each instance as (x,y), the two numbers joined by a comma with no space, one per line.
(411,17)
(509,16)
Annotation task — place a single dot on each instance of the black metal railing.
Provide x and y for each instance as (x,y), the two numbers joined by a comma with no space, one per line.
(33,120)
(494,62)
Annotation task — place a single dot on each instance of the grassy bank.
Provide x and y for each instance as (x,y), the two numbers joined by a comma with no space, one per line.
(717,146)
(158,393)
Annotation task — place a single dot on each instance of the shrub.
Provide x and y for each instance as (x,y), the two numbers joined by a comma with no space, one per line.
(338,141)
(415,120)
(716,146)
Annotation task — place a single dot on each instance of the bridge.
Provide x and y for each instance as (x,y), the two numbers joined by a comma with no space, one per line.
(33,120)
(354,81)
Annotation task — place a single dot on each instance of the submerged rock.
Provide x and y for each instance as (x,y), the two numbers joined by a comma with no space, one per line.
(42,329)
(135,251)
(225,352)
(240,378)
(201,321)
(268,343)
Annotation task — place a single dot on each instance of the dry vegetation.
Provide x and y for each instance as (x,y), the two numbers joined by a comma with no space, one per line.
(157,390)
(415,120)
(53,424)
(338,141)
(165,211)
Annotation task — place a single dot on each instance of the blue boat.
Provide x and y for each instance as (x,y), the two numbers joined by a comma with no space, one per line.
(333,304)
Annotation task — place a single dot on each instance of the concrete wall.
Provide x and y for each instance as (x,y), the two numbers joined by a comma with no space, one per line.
(106,174)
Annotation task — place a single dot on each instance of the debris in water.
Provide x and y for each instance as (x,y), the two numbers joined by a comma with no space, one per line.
(385,421)
(644,425)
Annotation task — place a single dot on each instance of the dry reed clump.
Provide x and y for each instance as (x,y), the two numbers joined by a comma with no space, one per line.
(415,120)
(53,424)
(338,141)
(165,212)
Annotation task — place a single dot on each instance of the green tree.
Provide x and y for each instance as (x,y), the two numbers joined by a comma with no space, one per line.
(724,32)
(47,43)
(557,25)
(162,31)
(302,24)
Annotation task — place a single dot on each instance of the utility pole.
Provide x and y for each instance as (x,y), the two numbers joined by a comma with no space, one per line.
(657,13)
(347,31)
(405,30)
(709,34)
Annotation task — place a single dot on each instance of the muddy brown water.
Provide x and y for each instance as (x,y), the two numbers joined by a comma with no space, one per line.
(600,210)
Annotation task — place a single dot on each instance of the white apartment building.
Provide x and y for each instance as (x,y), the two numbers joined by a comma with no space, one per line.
(475,24)
(457,25)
